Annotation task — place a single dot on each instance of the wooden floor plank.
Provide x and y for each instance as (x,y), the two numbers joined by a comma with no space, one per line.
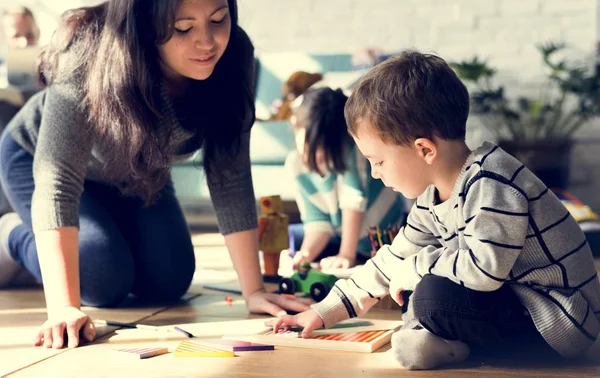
(22,311)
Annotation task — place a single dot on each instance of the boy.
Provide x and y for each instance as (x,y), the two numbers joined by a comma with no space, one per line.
(492,256)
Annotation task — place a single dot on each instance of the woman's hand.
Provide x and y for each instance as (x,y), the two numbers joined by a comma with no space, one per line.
(276,304)
(69,319)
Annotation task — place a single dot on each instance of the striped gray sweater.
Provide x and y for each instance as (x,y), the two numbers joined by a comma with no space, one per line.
(501,225)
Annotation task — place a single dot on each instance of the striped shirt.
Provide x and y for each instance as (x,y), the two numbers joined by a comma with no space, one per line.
(501,225)
(321,199)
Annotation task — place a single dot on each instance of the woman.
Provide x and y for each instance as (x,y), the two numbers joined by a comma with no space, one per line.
(132,88)
(20,28)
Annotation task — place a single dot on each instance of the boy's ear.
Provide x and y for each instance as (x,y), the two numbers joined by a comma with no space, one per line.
(426,149)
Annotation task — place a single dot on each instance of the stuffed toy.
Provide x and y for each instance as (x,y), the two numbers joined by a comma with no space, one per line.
(295,86)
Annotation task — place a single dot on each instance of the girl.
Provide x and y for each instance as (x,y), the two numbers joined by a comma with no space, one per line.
(133,87)
(336,195)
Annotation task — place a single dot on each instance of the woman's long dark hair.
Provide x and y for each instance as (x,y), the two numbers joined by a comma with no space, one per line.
(322,114)
(111,49)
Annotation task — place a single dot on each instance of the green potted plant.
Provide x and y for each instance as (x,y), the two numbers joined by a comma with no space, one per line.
(537,131)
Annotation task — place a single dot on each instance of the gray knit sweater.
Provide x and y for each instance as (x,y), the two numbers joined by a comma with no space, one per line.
(501,225)
(53,128)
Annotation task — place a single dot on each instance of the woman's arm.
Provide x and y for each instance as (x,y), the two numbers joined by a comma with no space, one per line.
(59,262)
(61,156)
(243,249)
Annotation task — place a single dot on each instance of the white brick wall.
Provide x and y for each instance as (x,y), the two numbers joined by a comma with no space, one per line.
(503,31)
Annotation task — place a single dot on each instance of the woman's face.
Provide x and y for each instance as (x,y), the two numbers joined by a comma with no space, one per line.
(16,27)
(202,30)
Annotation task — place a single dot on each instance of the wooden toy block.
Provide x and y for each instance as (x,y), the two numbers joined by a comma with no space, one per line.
(142,353)
(235,345)
(271,205)
(193,349)
(273,236)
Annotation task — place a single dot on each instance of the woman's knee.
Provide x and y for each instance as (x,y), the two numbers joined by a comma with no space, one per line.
(107,269)
(106,290)
(168,282)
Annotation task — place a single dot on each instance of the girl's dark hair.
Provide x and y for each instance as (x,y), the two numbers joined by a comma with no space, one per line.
(322,114)
(112,49)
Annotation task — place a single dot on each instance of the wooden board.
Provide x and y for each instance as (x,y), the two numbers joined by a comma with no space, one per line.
(366,339)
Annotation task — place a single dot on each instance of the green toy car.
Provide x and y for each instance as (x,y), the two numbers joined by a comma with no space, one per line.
(308,281)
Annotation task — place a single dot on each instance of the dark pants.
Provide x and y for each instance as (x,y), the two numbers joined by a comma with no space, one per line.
(487,321)
(124,247)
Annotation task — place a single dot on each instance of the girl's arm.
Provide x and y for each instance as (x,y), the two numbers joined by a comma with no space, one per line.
(351,223)
(353,202)
(318,228)
(312,245)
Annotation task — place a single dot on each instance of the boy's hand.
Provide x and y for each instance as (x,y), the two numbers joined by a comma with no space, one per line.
(337,262)
(309,320)
(396,292)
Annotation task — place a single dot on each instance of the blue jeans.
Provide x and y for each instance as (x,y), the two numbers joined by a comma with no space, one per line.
(124,247)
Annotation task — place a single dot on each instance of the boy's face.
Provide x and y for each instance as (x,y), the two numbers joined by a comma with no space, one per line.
(399,167)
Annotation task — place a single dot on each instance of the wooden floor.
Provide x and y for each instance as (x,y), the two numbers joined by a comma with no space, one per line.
(22,311)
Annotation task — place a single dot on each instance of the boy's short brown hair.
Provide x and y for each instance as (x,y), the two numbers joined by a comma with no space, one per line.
(409,96)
